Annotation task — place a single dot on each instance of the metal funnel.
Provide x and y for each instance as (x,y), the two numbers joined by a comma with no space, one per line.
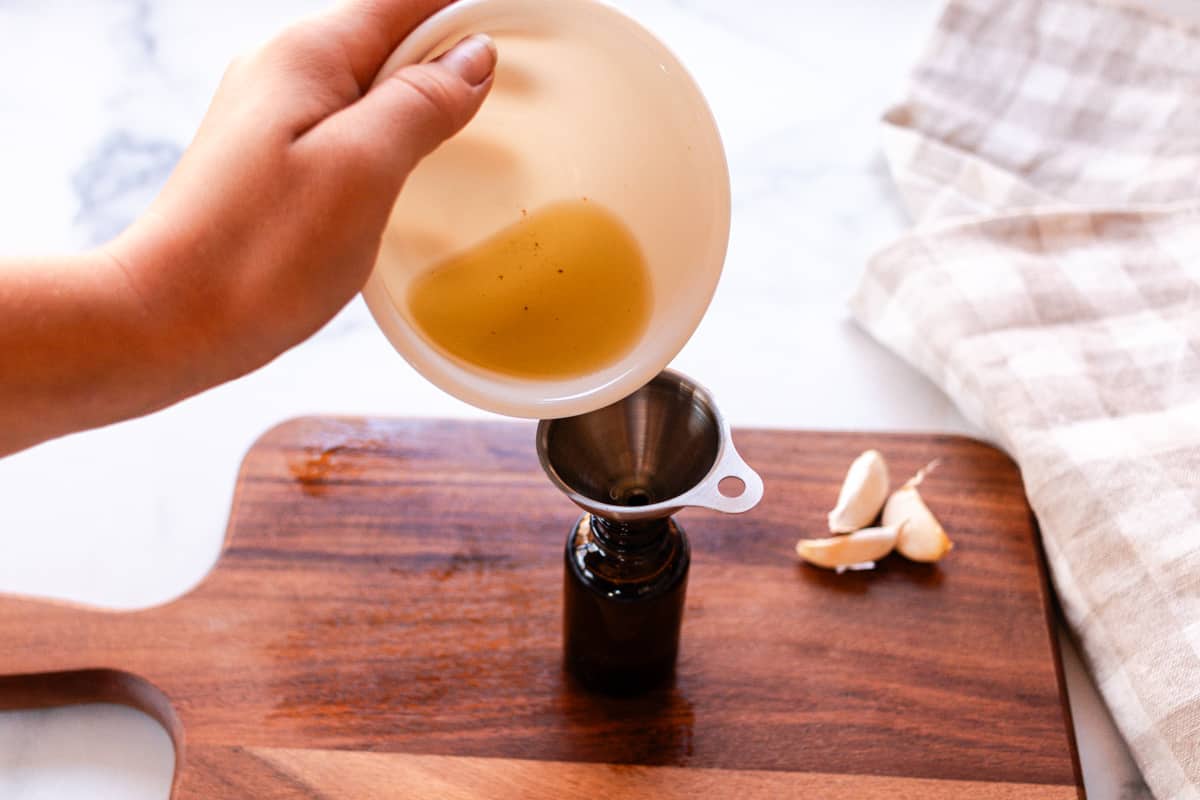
(663,448)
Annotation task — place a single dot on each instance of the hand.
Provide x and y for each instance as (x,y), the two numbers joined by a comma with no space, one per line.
(272,221)
(269,225)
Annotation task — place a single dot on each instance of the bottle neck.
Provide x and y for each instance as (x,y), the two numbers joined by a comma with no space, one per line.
(629,537)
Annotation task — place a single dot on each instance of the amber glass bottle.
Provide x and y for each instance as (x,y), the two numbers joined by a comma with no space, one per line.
(623,602)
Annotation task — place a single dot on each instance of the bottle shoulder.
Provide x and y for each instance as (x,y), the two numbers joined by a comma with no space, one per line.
(645,572)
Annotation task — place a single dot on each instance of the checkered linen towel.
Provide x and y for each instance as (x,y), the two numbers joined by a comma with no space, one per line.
(1049,151)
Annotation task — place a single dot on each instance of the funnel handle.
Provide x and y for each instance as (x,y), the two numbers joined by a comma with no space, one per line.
(707,493)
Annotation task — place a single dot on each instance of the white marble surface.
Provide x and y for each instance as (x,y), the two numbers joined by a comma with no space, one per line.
(101,96)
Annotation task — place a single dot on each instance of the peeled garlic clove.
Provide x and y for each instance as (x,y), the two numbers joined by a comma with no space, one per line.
(869,544)
(863,494)
(921,537)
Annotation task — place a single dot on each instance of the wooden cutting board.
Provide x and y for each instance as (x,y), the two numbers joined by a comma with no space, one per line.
(385,623)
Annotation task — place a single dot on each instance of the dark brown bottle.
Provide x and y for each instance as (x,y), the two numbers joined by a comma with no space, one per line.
(623,602)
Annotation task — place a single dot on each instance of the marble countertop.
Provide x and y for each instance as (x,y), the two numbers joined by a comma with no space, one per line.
(102,96)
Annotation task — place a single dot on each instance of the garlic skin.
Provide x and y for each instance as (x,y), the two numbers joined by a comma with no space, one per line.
(863,493)
(922,537)
(852,550)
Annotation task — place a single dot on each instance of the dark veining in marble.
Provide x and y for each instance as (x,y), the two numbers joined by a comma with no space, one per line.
(119,180)
(142,10)
(126,168)
(141,30)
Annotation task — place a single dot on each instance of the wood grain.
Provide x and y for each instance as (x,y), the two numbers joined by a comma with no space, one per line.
(393,588)
(384,776)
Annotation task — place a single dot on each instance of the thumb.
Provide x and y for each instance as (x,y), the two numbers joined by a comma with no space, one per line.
(407,115)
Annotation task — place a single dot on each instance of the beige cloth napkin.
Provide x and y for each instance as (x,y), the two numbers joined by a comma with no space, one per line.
(1049,151)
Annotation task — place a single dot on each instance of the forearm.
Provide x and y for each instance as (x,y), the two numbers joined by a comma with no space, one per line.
(79,348)
(269,225)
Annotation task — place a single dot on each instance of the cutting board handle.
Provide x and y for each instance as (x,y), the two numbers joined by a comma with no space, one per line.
(80,687)
(58,654)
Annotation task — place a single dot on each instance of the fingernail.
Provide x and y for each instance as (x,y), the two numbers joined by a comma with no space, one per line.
(472,59)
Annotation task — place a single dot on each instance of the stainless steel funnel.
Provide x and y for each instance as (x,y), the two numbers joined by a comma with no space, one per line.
(661,449)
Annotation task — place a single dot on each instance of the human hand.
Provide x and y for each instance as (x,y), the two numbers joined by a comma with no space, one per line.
(272,220)
(269,225)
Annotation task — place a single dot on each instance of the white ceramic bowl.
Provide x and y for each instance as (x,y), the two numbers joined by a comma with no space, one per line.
(586,103)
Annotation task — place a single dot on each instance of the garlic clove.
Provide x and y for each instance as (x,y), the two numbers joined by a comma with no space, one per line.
(850,551)
(922,537)
(863,493)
